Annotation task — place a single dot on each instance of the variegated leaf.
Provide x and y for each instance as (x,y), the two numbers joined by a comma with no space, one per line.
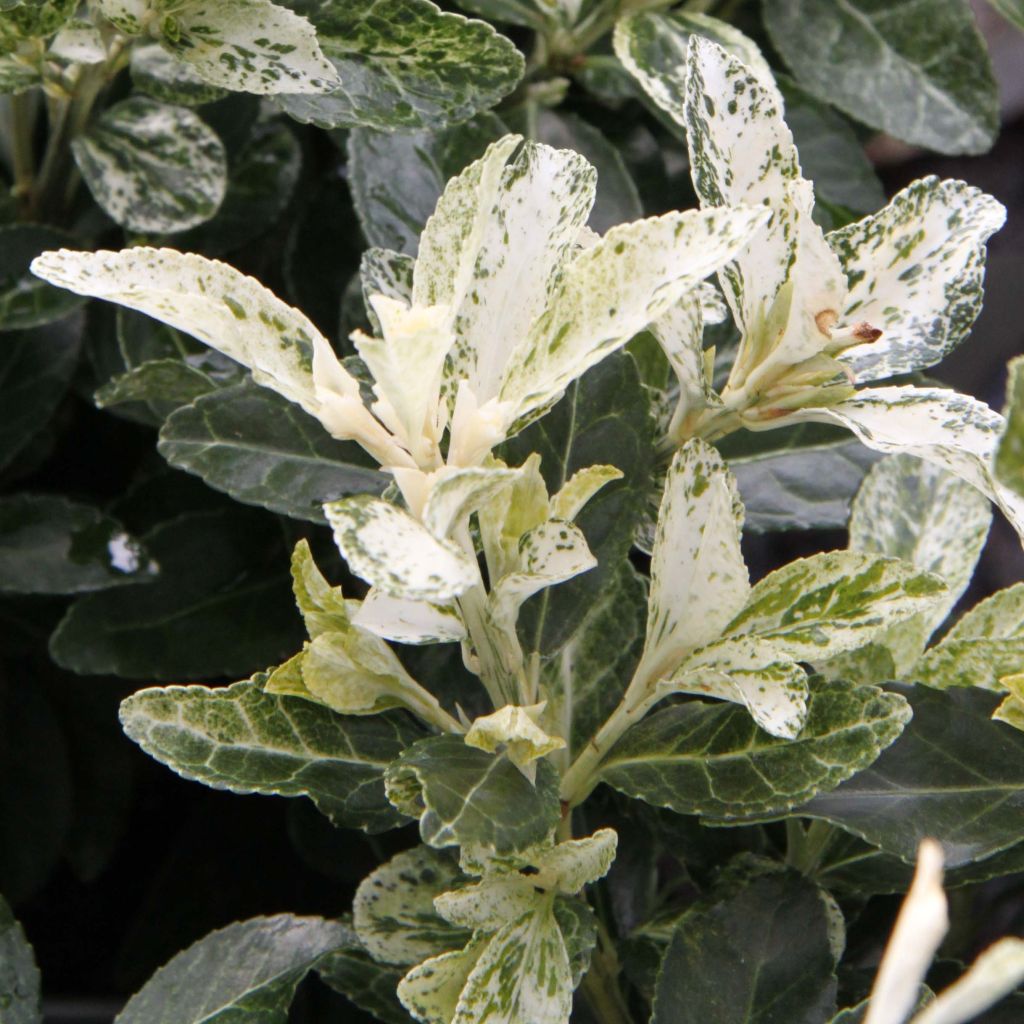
(159,74)
(248,45)
(953,431)
(751,671)
(398,555)
(580,488)
(1009,460)
(385,272)
(515,731)
(912,510)
(569,866)
(815,608)
(393,908)
(698,577)
(489,904)
(409,622)
(500,233)
(680,332)
(611,291)
(455,494)
(916,270)
(322,606)
(153,167)
(430,992)
(208,299)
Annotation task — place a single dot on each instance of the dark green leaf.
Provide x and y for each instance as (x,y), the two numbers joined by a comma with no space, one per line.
(264,450)
(247,971)
(161,75)
(603,419)
(370,985)
(515,12)
(19,975)
(712,760)
(50,545)
(464,795)
(405,64)
(167,381)
(25,300)
(877,61)
(578,924)
(222,605)
(396,179)
(954,775)
(762,956)
(242,739)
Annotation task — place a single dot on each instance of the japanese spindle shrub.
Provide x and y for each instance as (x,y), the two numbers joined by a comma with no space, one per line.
(512,446)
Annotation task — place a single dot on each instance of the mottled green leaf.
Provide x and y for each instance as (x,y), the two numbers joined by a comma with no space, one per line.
(393,908)
(16,76)
(876,61)
(818,607)
(916,270)
(463,795)
(1009,461)
(397,178)
(25,301)
(50,545)
(161,380)
(264,450)
(248,970)
(954,775)
(245,740)
(19,975)
(161,75)
(36,20)
(762,955)
(153,167)
(365,982)
(220,606)
(404,64)
(713,760)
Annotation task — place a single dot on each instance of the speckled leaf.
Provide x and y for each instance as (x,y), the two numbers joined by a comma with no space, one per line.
(153,167)
(876,61)
(397,178)
(159,74)
(815,608)
(1009,460)
(763,954)
(159,380)
(36,20)
(248,970)
(986,645)
(220,606)
(16,77)
(242,739)
(19,975)
(404,64)
(713,760)
(393,908)
(248,45)
(211,301)
(50,545)
(611,291)
(914,511)
(385,272)
(25,301)
(749,671)
(264,450)
(954,774)
(698,577)
(409,622)
(501,230)
(916,270)
(459,492)
(463,795)
(953,431)
(430,992)
(398,555)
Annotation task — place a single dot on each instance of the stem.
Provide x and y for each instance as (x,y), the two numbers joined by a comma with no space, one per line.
(600,984)
(22,123)
(806,848)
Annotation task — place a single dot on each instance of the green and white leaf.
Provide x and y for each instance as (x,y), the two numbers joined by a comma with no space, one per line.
(1009,460)
(159,380)
(465,796)
(430,992)
(916,270)
(815,608)
(393,908)
(323,607)
(247,969)
(404,65)
(514,731)
(159,74)
(457,493)
(876,62)
(208,299)
(713,760)
(611,291)
(153,167)
(698,577)
(243,739)
(16,76)
(19,975)
(78,42)
(397,554)
(750,671)
(409,622)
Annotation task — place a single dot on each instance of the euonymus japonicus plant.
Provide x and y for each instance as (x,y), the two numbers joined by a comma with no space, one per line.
(653,781)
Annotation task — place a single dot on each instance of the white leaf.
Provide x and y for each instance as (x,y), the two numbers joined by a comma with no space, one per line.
(455,494)
(996,973)
(409,622)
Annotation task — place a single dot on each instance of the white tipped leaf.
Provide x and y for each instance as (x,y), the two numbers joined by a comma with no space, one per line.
(395,553)
(611,291)
(916,270)
(208,299)
(698,577)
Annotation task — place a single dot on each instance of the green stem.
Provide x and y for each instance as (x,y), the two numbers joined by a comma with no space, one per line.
(805,848)
(23,163)
(600,984)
